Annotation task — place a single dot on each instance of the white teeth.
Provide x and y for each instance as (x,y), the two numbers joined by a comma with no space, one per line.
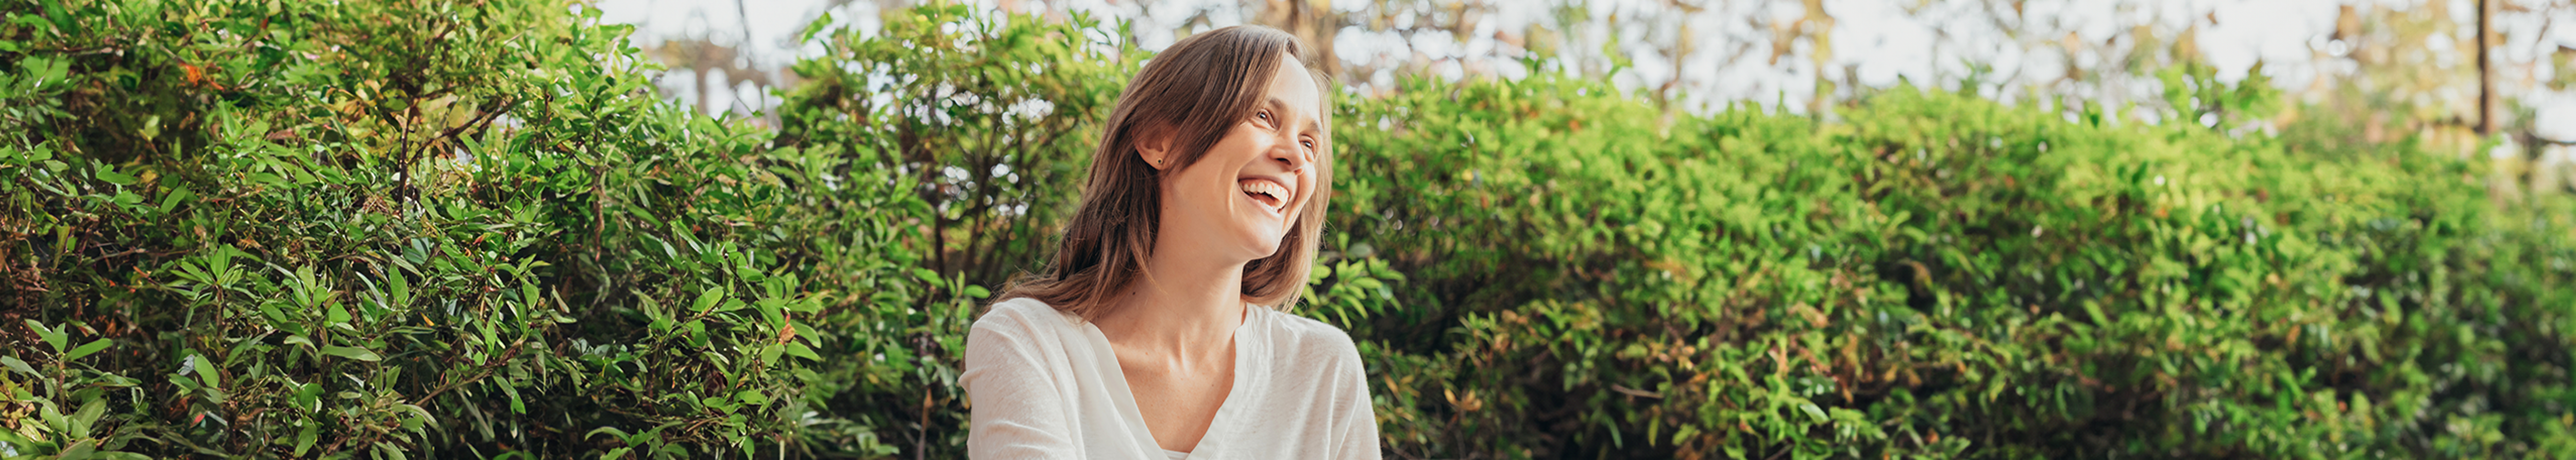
(1278,195)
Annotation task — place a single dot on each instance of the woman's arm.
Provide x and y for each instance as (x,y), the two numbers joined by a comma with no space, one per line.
(1017,412)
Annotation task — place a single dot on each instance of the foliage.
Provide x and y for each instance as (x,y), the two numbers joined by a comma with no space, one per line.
(397,228)
(394,229)
(967,136)
(1939,276)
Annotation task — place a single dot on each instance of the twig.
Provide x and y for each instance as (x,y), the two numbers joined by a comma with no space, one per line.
(1623,389)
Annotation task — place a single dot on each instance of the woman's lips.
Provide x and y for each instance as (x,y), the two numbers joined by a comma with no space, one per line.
(1268,193)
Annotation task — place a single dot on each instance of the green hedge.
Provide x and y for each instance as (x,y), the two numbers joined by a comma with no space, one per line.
(409,228)
(1938,275)
(417,228)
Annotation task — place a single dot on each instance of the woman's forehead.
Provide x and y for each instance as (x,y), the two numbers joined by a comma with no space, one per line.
(1292,86)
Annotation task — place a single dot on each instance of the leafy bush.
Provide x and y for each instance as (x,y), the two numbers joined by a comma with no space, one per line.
(1938,275)
(400,228)
(969,134)
(397,228)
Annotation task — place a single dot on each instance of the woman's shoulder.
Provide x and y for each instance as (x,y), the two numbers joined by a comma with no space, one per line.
(1309,340)
(1312,361)
(1026,316)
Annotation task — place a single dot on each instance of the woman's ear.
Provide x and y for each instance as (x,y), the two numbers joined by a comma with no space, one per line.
(1154,145)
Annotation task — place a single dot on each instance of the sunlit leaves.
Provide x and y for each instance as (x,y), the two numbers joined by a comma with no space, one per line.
(439,229)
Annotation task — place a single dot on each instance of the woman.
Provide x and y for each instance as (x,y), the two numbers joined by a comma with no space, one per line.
(1155,334)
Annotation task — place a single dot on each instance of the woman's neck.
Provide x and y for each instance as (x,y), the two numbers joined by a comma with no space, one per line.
(1181,308)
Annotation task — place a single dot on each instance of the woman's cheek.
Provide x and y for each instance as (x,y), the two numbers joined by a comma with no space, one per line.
(1305,196)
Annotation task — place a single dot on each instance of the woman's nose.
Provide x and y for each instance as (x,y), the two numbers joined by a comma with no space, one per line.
(1290,153)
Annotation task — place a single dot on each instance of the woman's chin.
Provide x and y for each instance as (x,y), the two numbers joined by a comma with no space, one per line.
(1256,247)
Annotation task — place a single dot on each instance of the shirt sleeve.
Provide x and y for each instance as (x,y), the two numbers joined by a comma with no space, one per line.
(1017,413)
(1357,433)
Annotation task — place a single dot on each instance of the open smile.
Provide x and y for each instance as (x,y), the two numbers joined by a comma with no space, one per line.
(1270,194)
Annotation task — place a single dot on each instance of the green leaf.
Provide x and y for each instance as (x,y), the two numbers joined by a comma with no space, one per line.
(174,197)
(390,450)
(707,300)
(57,338)
(770,313)
(398,287)
(109,174)
(79,450)
(360,354)
(205,369)
(86,349)
(304,438)
(308,396)
(151,129)
(1813,411)
(697,332)
(528,291)
(308,291)
(275,316)
(87,417)
(62,20)
(801,351)
(53,417)
(14,364)
(517,406)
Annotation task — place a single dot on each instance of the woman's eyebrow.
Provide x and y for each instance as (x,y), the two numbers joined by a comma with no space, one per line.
(1312,126)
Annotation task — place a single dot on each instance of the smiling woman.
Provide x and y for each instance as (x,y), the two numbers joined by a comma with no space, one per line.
(1156,331)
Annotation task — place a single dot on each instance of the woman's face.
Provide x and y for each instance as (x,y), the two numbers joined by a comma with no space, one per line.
(1245,194)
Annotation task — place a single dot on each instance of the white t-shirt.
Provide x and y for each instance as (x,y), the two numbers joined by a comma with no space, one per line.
(1045,385)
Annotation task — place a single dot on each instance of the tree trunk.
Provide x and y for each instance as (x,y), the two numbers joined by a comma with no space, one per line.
(2486,70)
(1313,22)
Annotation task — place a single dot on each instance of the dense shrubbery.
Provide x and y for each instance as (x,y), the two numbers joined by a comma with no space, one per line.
(370,228)
(1940,275)
(284,229)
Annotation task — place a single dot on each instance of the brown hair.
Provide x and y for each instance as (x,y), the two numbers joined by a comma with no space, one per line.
(1195,91)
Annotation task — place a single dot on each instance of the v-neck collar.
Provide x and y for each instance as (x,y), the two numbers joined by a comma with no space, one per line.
(1125,397)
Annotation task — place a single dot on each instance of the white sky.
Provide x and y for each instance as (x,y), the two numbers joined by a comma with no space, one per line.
(1877,39)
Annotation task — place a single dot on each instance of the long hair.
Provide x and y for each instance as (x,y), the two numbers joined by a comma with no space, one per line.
(1195,92)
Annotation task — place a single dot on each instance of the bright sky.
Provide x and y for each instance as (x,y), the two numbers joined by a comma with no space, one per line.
(1876,39)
